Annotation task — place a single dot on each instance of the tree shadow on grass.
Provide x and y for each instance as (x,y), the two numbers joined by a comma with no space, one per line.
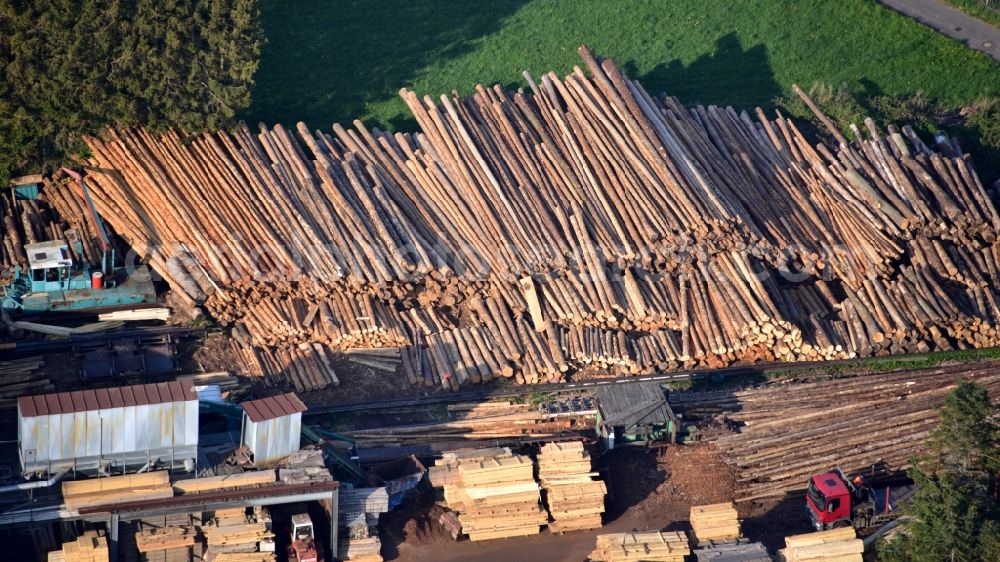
(324,61)
(730,75)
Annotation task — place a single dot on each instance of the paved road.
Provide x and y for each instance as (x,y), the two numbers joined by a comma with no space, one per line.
(974,33)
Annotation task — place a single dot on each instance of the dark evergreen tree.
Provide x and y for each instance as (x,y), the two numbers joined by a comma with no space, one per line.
(70,67)
(955,511)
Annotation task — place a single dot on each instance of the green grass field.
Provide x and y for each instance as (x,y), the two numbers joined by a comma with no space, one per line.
(337,61)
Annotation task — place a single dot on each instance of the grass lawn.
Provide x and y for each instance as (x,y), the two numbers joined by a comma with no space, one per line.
(337,61)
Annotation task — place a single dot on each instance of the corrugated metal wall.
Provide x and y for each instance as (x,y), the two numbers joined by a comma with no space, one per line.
(126,436)
(274,439)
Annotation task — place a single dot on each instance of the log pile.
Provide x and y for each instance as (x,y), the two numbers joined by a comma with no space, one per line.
(580,223)
(648,546)
(22,376)
(57,216)
(574,498)
(500,422)
(881,421)
(715,523)
(835,545)
(496,497)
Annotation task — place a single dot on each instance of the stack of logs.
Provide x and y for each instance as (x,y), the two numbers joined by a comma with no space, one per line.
(881,422)
(498,422)
(574,498)
(515,222)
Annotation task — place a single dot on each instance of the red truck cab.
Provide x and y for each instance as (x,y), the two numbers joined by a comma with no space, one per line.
(833,500)
(828,501)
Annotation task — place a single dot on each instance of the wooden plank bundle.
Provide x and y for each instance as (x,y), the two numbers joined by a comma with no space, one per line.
(230,535)
(225,482)
(496,497)
(116,489)
(881,421)
(648,546)
(835,545)
(738,551)
(245,557)
(162,538)
(575,499)
(581,223)
(360,550)
(91,546)
(22,376)
(717,522)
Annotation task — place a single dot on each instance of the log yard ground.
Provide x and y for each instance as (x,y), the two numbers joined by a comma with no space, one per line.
(572,281)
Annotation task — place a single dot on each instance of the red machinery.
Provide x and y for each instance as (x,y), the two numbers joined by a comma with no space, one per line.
(303,546)
(834,500)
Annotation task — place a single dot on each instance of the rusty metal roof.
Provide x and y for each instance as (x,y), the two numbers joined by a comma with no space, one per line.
(102,398)
(273,407)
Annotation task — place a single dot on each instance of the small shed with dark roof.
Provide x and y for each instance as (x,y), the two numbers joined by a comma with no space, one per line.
(272,427)
(108,429)
(634,412)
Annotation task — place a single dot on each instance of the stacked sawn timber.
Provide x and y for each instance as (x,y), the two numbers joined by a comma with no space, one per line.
(359,510)
(738,551)
(116,489)
(232,534)
(647,546)
(694,236)
(496,497)
(835,545)
(574,497)
(715,523)
(91,546)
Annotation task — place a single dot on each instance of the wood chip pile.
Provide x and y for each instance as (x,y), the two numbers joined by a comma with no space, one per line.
(573,494)
(835,545)
(648,546)
(716,523)
(881,421)
(694,236)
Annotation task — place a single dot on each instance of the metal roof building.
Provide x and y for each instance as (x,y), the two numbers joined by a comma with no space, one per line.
(272,427)
(109,429)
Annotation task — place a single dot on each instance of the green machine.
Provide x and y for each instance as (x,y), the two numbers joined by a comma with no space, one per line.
(54,283)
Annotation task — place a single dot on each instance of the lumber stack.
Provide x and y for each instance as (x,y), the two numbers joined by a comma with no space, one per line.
(78,494)
(715,523)
(91,546)
(245,557)
(360,550)
(835,545)
(739,551)
(882,422)
(496,497)
(225,482)
(649,546)
(578,224)
(575,499)
(163,538)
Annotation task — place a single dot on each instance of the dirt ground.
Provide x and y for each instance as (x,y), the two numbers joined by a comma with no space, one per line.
(647,490)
